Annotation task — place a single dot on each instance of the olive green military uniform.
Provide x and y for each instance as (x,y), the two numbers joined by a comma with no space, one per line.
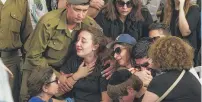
(49,43)
(15,27)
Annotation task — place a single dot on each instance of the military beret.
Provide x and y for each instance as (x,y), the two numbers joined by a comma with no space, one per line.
(119,77)
(78,2)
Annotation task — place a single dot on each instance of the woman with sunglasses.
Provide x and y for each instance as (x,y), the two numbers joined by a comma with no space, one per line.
(87,83)
(42,85)
(124,16)
(123,55)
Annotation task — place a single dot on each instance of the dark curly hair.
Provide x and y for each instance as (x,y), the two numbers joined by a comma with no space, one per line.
(140,50)
(37,79)
(171,53)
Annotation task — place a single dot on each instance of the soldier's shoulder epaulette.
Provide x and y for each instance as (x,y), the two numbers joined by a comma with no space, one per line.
(91,22)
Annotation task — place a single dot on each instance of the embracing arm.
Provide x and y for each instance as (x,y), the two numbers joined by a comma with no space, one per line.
(150,97)
(35,46)
(105,97)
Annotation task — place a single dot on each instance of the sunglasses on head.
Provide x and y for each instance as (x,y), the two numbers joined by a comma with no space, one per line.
(122,3)
(139,66)
(56,81)
(117,51)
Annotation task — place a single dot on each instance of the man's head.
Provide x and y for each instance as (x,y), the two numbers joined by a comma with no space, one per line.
(77,10)
(157,30)
(123,86)
(140,55)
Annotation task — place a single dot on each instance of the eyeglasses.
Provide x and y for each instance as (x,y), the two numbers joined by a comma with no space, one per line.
(117,51)
(139,66)
(122,4)
(56,81)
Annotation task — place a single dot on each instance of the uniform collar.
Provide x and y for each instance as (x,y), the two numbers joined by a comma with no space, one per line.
(63,21)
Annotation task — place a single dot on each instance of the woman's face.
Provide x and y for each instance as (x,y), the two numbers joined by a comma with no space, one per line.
(52,85)
(122,55)
(124,7)
(84,44)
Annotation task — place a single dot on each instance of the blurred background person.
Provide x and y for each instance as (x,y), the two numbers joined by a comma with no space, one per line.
(157,30)
(173,56)
(183,17)
(152,6)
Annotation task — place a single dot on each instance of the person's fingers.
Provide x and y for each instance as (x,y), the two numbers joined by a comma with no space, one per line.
(108,73)
(107,70)
(106,62)
(90,72)
(130,69)
(62,88)
(108,77)
(68,75)
(68,85)
(91,69)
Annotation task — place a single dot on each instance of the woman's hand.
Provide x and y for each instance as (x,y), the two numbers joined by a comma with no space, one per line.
(145,76)
(83,71)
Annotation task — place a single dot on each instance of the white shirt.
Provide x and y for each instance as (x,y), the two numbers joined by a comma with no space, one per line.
(3,1)
(5,90)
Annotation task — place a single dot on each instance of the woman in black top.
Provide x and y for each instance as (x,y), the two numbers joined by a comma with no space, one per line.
(124,16)
(87,81)
(173,56)
(183,18)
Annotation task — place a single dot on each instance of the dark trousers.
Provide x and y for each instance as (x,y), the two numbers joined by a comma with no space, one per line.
(12,60)
(24,96)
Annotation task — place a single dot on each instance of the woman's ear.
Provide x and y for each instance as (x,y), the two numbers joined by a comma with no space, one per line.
(45,88)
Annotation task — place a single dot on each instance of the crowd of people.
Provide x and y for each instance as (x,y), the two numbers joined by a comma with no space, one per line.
(100,50)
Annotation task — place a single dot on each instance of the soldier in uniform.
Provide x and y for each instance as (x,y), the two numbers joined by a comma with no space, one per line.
(51,40)
(15,27)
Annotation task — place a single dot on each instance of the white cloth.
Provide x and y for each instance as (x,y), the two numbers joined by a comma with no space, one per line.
(5,91)
(194,72)
(152,6)
(3,1)
(37,9)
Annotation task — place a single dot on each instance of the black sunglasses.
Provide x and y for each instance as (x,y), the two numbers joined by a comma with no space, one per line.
(122,4)
(56,81)
(138,66)
(154,38)
(117,51)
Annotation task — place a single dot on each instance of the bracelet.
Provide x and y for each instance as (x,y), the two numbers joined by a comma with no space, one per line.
(73,78)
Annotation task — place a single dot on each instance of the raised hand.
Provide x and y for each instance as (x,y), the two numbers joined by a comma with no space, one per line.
(83,71)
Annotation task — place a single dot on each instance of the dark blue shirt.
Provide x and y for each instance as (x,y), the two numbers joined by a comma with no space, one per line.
(37,99)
